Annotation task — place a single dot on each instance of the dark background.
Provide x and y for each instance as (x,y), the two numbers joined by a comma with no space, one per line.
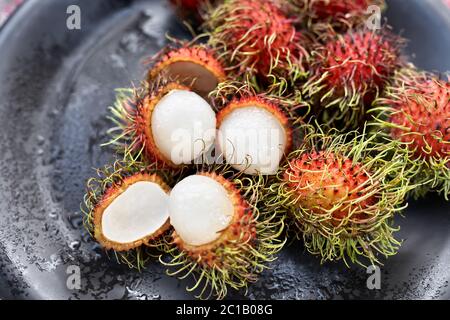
(55,86)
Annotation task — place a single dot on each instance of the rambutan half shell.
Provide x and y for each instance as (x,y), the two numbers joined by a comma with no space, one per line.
(221,238)
(133,213)
(195,66)
(170,124)
(253,135)
(126,209)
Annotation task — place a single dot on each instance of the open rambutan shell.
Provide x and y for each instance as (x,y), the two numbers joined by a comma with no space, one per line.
(195,66)
(220,236)
(238,227)
(253,135)
(110,197)
(170,124)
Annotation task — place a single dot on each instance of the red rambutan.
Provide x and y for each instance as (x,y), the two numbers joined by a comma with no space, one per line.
(416,112)
(342,194)
(321,15)
(349,72)
(256,37)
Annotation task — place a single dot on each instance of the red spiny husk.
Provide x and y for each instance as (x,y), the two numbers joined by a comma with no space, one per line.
(256,36)
(257,101)
(421,114)
(197,55)
(321,180)
(109,196)
(242,228)
(358,62)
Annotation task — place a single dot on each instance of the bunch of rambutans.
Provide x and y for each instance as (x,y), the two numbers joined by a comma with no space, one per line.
(291,118)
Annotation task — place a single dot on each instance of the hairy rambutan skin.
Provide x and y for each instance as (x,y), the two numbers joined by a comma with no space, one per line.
(321,16)
(243,249)
(110,182)
(321,180)
(256,38)
(416,112)
(341,192)
(132,114)
(349,73)
(199,56)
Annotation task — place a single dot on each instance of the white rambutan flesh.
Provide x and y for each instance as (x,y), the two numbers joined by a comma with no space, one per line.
(183,126)
(252,140)
(136,213)
(200,208)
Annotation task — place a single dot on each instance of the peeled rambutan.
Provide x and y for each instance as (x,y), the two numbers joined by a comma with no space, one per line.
(192,65)
(220,237)
(416,112)
(166,121)
(256,37)
(254,134)
(348,73)
(126,209)
(341,194)
(320,15)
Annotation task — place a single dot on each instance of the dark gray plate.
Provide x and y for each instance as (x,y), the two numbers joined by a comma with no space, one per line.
(55,85)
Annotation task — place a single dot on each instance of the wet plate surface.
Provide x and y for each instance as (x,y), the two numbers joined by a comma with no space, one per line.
(55,85)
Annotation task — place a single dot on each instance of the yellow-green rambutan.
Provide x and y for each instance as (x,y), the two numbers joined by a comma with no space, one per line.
(341,192)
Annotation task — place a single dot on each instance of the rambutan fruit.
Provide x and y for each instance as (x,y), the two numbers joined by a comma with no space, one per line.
(323,15)
(192,65)
(416,111)
(254,134)
(168,122)
(126,209)
(220,237)
(342,192)
(256,38)
(348,73)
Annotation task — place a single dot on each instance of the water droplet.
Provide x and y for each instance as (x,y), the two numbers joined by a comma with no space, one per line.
(53,214)
(74,245)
